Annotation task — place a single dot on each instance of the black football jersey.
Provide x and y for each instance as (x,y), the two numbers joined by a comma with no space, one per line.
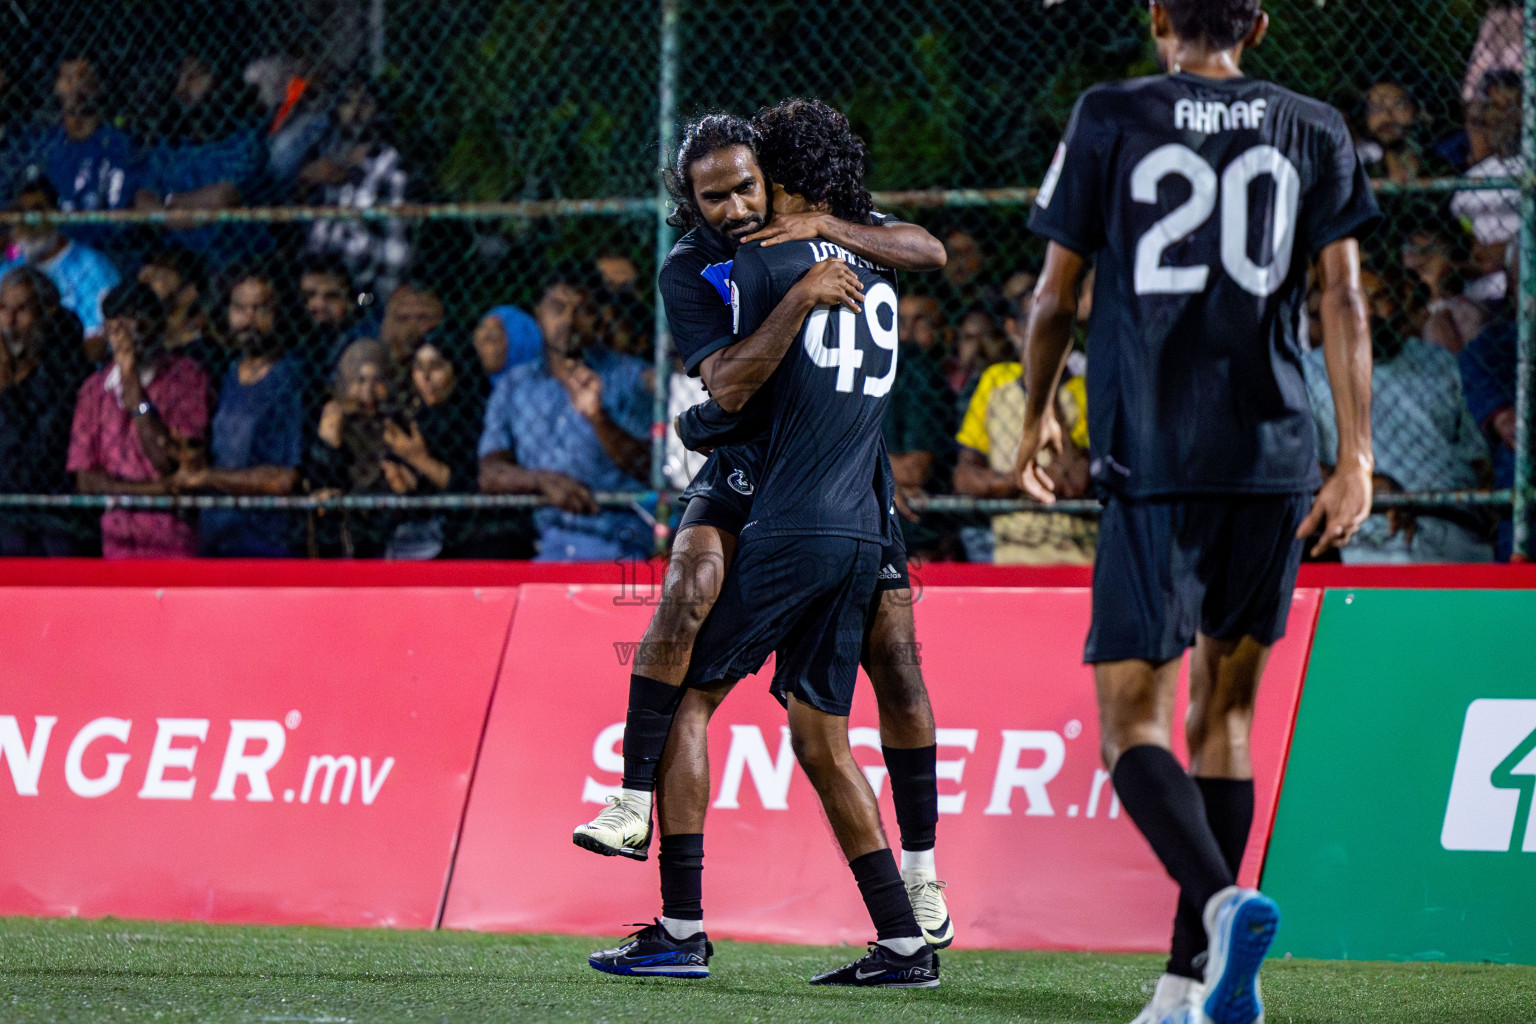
(1202,203)
(829,394)
(695,286)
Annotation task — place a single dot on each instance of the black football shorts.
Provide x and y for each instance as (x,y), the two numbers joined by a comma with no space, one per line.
(803,598)
(1169,568)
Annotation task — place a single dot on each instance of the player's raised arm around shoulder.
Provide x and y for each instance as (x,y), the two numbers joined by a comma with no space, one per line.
(890,243)
(1047,342)
(734,373)
(1345,500)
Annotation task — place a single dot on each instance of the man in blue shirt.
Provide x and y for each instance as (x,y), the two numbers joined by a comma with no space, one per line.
(257,432)
(570,424)
(206,155)
(91,164)
(82,274)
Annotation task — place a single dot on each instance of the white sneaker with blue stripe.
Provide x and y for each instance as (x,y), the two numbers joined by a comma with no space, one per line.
(1240,924)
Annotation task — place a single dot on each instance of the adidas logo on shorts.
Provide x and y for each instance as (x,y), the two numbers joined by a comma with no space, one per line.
(890,572)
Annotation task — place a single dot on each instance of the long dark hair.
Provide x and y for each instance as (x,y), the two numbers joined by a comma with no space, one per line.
(810,149)
(701,137)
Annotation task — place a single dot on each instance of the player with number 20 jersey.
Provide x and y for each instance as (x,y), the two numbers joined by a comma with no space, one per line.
(1203,198)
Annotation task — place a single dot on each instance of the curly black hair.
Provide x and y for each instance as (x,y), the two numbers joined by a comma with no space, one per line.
(810,149)
(701,137)
(1220,23)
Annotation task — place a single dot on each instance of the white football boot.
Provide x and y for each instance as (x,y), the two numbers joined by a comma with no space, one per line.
(928,906)
(622,829)
(1176,1000)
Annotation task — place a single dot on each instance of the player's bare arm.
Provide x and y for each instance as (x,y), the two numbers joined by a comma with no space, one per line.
(902,246)
(1049,340)
(734,374)
(1345,500)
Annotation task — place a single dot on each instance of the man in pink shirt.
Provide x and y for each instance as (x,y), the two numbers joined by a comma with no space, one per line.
(136,420)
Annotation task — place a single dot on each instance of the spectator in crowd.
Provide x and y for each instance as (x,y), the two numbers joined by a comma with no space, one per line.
(82,274)
(1020,287)
(176,275)
(989,445)
(330,320)
(1391,149)
(573,422)
(979,343)
(136,420)
(920,419)
(349,455)
(295,118)
(206,155)
(1423,439)
(91,164)
(506,337)
(436,440)
(1498,47)
(15,109)
(257,436)
(412,312)
(1489,370)
(358,166)
(39,346)
(1494,125)
(964,283)
(684,391)
(617,273)
(1437,255)
(623,323)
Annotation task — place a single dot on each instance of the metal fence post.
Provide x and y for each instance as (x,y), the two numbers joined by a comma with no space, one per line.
(666,135)
(1524,367)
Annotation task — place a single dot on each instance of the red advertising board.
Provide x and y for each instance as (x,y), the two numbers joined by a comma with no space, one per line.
(269,756)
(1031,838)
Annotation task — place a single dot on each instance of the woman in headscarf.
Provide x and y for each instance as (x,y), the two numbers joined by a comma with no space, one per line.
(505,337)
(437,443)
(350,456)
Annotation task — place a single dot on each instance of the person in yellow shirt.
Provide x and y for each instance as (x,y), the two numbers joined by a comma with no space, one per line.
(989,442)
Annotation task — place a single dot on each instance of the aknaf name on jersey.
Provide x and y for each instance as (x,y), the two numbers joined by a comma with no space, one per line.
(1210,116)
(98,757)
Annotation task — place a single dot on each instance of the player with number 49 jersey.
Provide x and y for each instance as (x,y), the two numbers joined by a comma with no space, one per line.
(829,395)
(1203,200)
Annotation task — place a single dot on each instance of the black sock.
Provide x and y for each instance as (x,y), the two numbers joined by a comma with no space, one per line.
(1229,812)
(915,791)
(652,706)
(682,877)
(1165,804)
(885,896)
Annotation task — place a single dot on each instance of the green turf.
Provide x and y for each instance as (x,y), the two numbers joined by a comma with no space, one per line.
(89,971)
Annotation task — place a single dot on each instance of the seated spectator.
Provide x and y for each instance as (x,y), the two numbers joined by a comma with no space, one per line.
(1423,439)
(206,155)
(920,420)
(979,343)
(1436,255)
(82,274)
(436,440)
(349,455)
(38,374)
(506,337)
(1390,148)
(989,446)
(1494,123)
(617,273)
(258,431)
(576,421)
(135,420)
(91,164)
(176,275)
(358,166)
(1488,374)
(624,325)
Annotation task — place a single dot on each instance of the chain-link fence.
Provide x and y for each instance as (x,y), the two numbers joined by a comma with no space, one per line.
(455,181)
